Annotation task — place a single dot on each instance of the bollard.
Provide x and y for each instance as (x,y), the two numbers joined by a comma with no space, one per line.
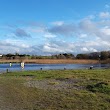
(91,67)
(10,64)
(64,68)
(22,65)
(7,70)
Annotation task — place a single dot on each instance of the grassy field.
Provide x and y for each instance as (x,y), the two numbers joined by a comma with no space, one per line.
(55,90)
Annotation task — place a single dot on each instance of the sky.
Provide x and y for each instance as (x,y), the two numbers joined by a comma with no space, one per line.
(46,27)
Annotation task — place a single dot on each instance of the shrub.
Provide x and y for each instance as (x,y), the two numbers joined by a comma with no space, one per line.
(102,87)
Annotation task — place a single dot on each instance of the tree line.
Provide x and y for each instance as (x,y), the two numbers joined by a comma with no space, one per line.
(103,55)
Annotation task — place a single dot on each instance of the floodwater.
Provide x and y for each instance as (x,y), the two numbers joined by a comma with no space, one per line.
(32,66)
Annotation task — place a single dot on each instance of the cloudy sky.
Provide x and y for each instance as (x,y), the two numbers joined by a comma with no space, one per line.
(46,27)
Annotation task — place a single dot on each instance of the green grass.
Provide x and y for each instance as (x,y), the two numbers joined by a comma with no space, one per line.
(93,95)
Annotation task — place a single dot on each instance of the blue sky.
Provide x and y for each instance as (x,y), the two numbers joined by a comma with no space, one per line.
(46,27)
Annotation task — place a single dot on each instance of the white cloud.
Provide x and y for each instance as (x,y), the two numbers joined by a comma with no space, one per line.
(21,33)
(49,35)
(104,15)
(106,30)
(58,47)
(65,29)
(95,30)
(83,35)
(51,49)
(84,49)
(90,34)
(91,17)
(54,47)
(58,23)
(13,46)
(93,50)
(77,47)
(88,26)
(36,29)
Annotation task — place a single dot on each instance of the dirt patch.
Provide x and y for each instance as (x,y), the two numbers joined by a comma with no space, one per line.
(54,84)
